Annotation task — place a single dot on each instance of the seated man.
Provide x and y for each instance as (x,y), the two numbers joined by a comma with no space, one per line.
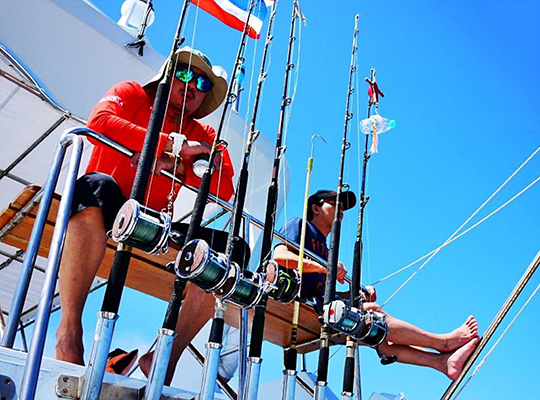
(404,340)
(123,115)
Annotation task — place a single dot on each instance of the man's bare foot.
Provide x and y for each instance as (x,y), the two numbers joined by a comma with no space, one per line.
(456,360)
(145,362)
(458,337)
(69,348)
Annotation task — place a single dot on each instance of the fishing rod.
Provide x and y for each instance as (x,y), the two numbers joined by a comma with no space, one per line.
(331,275)
(111,302)
(257,328)
(370,327)
(289,380)
(166,335)
(235,283)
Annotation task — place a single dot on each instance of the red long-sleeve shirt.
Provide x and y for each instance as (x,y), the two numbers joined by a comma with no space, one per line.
(123,115)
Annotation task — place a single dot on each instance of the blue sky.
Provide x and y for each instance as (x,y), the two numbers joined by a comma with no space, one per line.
(461,80)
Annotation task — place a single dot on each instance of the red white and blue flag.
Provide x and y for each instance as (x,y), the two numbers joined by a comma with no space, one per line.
(234,13)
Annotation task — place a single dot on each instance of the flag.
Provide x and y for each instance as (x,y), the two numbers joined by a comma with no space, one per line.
(234,13)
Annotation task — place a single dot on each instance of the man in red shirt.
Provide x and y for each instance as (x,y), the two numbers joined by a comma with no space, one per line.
(123,115)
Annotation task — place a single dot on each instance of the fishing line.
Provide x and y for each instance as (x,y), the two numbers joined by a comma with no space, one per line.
(483,361)
(450,239)
(179,124)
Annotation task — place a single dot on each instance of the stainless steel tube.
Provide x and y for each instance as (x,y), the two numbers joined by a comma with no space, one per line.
(252,378)
(160,363)
(33,244)
(211,366)
(289,384)
(93,379)
(320,391)
(35,355)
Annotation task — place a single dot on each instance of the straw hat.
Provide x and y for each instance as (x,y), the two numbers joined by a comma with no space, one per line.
(188,56)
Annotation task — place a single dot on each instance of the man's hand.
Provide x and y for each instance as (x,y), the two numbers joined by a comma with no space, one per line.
(164,163)
(371,295)
(192,148)
(341,272)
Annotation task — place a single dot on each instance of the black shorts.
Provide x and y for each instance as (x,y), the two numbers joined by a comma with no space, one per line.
(96,189)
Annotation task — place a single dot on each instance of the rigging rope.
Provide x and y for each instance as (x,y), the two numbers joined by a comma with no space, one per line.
(462,233)
(453,235)
(483,361)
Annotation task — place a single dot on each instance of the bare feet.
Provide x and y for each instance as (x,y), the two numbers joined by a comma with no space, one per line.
(456,360)
(145,362)
(69,347)
(458,337)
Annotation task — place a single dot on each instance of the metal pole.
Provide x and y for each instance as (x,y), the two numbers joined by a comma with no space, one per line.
(35,355)
(158,370)
(494,325)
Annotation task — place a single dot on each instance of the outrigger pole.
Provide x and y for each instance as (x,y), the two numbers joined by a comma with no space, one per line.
(109,311)
(290,372)
(493,326)
(161,359)
(257,328)
(331,276)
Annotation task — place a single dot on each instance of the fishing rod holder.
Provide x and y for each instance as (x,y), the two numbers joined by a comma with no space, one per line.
(281,284)
(142,227)
(369,326)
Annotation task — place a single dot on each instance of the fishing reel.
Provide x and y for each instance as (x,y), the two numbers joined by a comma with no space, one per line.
(198,263)
(243,288)
(369,327)
(143,228)
(282,284)
(214,273)
(201,164)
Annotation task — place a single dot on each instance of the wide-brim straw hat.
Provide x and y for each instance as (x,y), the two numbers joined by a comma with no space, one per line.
(188,56)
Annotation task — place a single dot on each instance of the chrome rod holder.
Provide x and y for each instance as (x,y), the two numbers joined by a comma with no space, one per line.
(252,378)
(93,378)
(211,366)
(289,384)
(160,363)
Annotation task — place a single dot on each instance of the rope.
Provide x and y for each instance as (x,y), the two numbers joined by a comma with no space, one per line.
(453,235)
(483,361)
(462,233)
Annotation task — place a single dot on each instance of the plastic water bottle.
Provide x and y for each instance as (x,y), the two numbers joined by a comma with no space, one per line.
(381,124)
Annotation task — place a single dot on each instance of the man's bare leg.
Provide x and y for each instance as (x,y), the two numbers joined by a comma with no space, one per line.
(83,253)
(401,332)
(450,364)
(197,309)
